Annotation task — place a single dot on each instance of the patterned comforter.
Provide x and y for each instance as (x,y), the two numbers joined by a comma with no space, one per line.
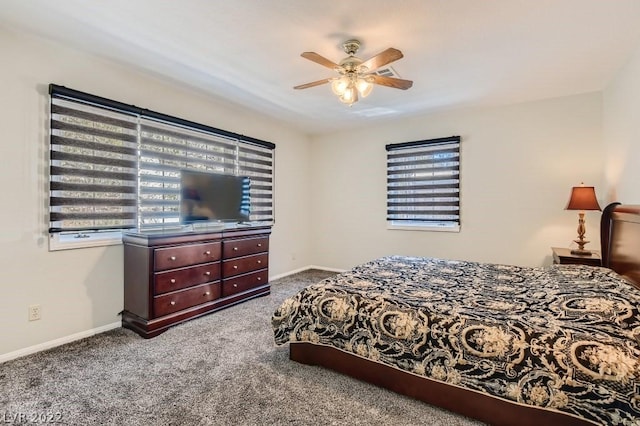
(561,338)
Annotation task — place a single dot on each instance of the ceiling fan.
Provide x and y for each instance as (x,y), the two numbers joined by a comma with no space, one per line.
(356,77)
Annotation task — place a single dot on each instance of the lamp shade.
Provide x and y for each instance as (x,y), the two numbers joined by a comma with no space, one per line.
(583,198)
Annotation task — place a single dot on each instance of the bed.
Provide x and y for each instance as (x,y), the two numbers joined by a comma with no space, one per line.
(499,343)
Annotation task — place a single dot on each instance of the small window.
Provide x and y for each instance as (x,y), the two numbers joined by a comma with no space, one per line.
(423,185)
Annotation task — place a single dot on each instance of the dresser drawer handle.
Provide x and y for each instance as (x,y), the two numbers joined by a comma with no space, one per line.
(207,293)
(207,273)
(173,302)
(259,278)
(235,286)
(235,266)
(259,244)
(235,249)
(207,253)
(172,258)
(173,280)
(259,262)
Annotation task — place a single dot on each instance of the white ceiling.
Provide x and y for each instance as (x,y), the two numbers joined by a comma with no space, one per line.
(459,53)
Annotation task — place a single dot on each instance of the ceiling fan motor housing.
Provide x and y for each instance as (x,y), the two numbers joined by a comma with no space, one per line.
(352,62)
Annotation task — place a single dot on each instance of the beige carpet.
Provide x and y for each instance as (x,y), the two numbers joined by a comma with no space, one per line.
(222,369)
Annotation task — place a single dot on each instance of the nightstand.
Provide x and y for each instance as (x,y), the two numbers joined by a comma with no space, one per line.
(564,256)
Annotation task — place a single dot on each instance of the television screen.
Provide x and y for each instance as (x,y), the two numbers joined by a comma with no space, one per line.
(211,197)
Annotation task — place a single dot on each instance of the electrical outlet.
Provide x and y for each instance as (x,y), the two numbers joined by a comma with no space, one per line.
(35,311)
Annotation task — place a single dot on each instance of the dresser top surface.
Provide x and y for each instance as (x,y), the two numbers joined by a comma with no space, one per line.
(187,235)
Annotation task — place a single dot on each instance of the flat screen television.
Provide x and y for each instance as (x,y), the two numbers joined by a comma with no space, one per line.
(213,197)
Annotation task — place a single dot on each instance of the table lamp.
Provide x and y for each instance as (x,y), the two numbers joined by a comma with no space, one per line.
(582,198)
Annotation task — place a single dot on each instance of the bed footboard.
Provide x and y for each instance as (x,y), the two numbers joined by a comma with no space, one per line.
(482,407)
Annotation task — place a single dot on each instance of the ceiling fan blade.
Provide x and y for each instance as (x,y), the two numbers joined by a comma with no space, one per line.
(313,83)
(319,59)
(396,83)
(382,58)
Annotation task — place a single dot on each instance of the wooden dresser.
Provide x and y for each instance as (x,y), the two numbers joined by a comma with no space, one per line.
(173,277)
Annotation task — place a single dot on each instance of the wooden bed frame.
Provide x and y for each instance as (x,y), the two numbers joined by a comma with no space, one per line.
(620,241)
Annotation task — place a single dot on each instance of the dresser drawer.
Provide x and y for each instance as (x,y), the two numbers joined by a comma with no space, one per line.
(175,279)
(183,299)
(237,248)
(244,282)
(242,265)
(191,254)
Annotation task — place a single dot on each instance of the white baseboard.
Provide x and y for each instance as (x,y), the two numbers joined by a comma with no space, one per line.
(88,333)
(57,342)
(304,268)
(326,268)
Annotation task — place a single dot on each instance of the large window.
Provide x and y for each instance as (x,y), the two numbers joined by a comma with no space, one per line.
(114,166)
(423,184)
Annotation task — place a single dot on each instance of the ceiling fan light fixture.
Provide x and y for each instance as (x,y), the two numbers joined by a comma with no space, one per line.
(349,96)
(364,87)
(346,86)
(339,85)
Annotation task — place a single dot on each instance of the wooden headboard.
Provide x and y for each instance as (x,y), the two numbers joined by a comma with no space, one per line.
(620,240)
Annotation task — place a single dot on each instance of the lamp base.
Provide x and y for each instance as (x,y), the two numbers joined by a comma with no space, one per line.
(581,252)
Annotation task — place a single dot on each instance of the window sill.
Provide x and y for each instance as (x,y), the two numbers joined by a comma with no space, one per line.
(76,240)
(435,228)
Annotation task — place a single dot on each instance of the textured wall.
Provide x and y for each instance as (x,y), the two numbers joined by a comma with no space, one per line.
(81,290)
(518,164)
(622,133)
